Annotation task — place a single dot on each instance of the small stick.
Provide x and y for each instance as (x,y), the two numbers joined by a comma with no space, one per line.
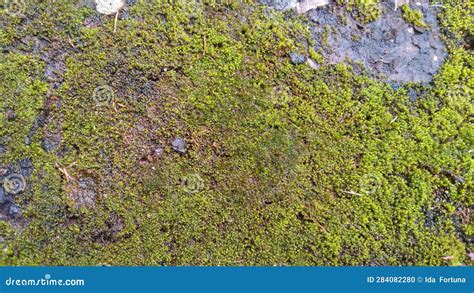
(71,43)
(64,171)
(115,21)
(352,192)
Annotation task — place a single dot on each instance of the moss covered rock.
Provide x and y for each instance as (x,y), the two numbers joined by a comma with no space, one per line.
(286,164)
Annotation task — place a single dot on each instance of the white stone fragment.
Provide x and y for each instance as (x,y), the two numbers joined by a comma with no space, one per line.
(399,3)
(109,6)
(311,63)
(305,5)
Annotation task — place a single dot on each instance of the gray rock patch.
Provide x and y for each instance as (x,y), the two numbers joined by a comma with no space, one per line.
(389,47)
(179,145)
(297,58)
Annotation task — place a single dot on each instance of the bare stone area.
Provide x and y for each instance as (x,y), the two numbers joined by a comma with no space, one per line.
(389,47)
(82,191)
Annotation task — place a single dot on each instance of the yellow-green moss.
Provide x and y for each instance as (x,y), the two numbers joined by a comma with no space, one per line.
(300,166)
(412,16)
(363,10)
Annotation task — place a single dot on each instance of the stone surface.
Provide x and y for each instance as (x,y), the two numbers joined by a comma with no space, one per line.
(297,58)
(2,196)
(158,152)
(389,46)
(14,211)
(179,145)
(11,115)
(82,192)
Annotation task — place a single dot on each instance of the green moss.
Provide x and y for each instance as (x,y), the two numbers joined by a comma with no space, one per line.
(300,166)
(413,16)
(364,11)
(315,56)
(456,21)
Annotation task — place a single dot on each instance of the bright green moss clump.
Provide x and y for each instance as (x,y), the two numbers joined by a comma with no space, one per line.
(297,166)
(363,10)
(413,16)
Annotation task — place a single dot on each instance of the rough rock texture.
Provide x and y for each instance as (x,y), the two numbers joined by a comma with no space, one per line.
(179,145)
(389,46)
(297,58)
(289,157)
(82,192)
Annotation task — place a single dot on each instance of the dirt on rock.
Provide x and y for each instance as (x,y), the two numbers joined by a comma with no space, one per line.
(82,191)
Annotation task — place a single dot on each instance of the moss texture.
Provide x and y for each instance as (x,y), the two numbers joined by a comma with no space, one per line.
(297,166)
(363,10)
(413,16)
